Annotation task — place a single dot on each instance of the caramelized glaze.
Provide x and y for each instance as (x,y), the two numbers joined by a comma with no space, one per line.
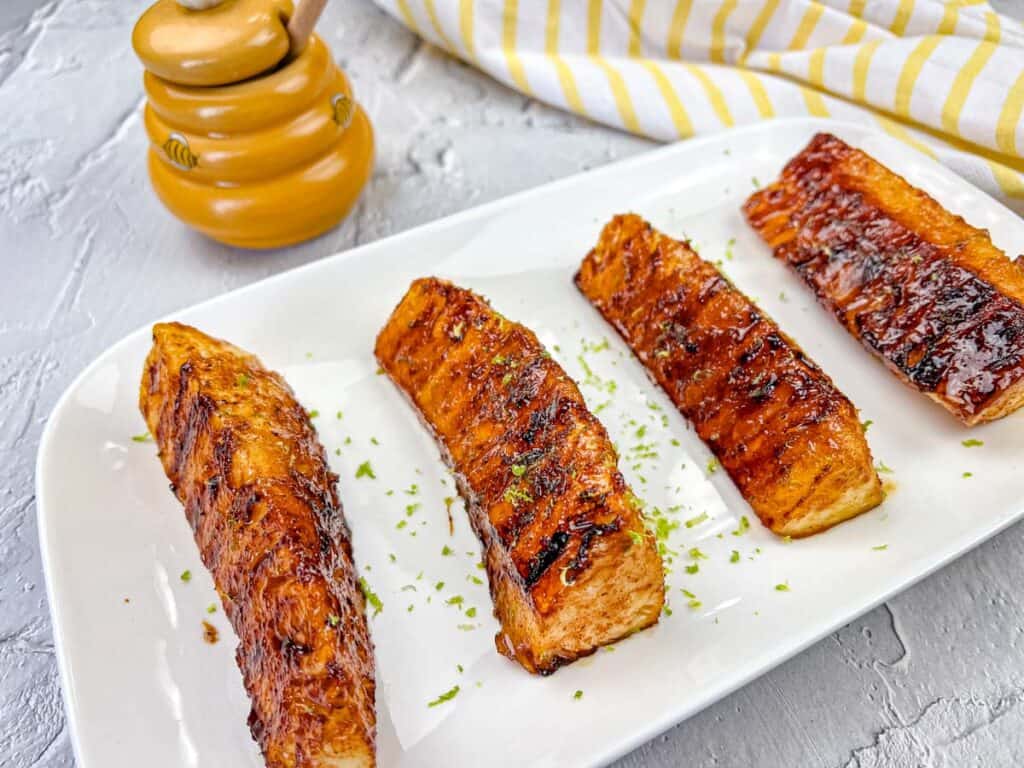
(923,290)
(570,563)
(244,460)
(788,438)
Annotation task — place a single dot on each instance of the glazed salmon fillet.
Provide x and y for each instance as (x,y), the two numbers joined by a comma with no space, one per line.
(927,293)
(244,460)
(789,439)
(570,563)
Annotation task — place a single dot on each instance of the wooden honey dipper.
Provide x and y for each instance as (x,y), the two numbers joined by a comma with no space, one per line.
(300,25)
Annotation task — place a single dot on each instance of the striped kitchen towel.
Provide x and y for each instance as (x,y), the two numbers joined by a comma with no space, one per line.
(946,77)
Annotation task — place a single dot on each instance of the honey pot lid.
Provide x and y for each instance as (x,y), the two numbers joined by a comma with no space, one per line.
(212,42)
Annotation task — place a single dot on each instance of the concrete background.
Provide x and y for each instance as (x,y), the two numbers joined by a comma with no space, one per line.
(933,678)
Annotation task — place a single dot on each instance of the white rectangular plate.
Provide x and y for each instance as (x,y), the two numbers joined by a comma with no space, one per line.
(142,687)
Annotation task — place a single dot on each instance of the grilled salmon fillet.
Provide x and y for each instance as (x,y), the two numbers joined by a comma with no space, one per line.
(244,460)
(570,564)
(927,293)
(788,438)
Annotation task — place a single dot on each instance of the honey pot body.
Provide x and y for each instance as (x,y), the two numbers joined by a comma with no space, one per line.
(264,163)
(275,159)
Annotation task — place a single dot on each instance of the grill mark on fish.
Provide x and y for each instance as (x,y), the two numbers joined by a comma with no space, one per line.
(545,558)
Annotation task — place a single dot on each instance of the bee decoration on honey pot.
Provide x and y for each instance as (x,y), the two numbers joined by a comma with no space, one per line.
(177,151)
(344,108)
(241,147)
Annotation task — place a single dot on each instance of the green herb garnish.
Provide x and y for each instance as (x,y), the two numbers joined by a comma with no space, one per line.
(371,596)
(663,526)
(366,470)
(446,696)
(515,496)
(697,520)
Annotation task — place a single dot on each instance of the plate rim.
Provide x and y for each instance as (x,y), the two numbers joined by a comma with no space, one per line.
(758,666)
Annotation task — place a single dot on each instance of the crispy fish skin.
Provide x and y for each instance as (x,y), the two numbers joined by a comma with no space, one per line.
(245,462)
(927,293)
(570,564)
(788,438)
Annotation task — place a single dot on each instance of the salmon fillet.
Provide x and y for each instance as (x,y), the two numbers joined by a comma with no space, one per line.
(927,293)
(570,564)
(788,438)
(244,460)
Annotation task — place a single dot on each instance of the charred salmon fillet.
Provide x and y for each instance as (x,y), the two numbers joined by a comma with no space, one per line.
(244,460)
(788,438)
(927,293)
(570,564)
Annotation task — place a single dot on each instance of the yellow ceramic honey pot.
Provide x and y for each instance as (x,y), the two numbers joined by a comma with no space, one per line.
(251,143)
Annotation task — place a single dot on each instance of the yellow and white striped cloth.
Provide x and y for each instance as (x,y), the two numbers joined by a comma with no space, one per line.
(945,77)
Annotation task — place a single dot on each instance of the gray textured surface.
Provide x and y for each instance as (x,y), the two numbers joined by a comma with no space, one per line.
(934,678)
